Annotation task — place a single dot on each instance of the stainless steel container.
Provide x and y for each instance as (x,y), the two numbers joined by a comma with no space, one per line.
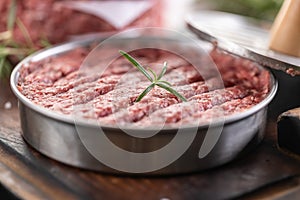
(56,135)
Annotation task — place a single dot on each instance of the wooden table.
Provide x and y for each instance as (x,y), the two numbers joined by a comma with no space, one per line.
(266,172)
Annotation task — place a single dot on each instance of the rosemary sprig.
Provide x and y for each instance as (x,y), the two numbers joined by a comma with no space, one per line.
(155,80)
(9,48)
(11,17)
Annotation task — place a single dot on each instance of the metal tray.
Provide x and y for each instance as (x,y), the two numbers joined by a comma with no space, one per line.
(57,136)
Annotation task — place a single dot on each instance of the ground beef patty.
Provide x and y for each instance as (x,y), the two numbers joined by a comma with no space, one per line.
(58,84)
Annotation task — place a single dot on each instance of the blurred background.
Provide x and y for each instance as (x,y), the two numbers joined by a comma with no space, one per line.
(261,9)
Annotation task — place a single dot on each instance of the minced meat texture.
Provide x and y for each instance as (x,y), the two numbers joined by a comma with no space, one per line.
(58,83)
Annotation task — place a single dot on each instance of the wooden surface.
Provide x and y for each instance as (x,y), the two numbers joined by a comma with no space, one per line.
(266,172)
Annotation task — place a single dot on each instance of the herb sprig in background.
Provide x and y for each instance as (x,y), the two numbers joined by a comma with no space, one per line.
(9,48)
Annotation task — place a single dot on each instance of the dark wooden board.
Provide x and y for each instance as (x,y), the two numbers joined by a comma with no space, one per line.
(29,175)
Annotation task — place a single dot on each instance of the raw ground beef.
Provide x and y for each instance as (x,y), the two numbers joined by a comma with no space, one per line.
(57,84)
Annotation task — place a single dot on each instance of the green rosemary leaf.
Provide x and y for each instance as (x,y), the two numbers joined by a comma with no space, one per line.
(165,82)
(45,43)
(5,67)
(13,44)
(5,51)
(6,35)
(153,73)
(171,90)
(11,17)
(2,61)
(137,65)
(163,71)
(25,33)
(145,92)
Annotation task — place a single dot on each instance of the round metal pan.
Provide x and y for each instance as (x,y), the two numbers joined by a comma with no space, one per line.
(56,135)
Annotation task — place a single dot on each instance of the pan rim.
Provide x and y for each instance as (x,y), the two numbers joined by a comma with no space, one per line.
(65,47)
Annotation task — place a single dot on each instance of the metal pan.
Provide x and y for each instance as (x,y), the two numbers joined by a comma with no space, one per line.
(57,136)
